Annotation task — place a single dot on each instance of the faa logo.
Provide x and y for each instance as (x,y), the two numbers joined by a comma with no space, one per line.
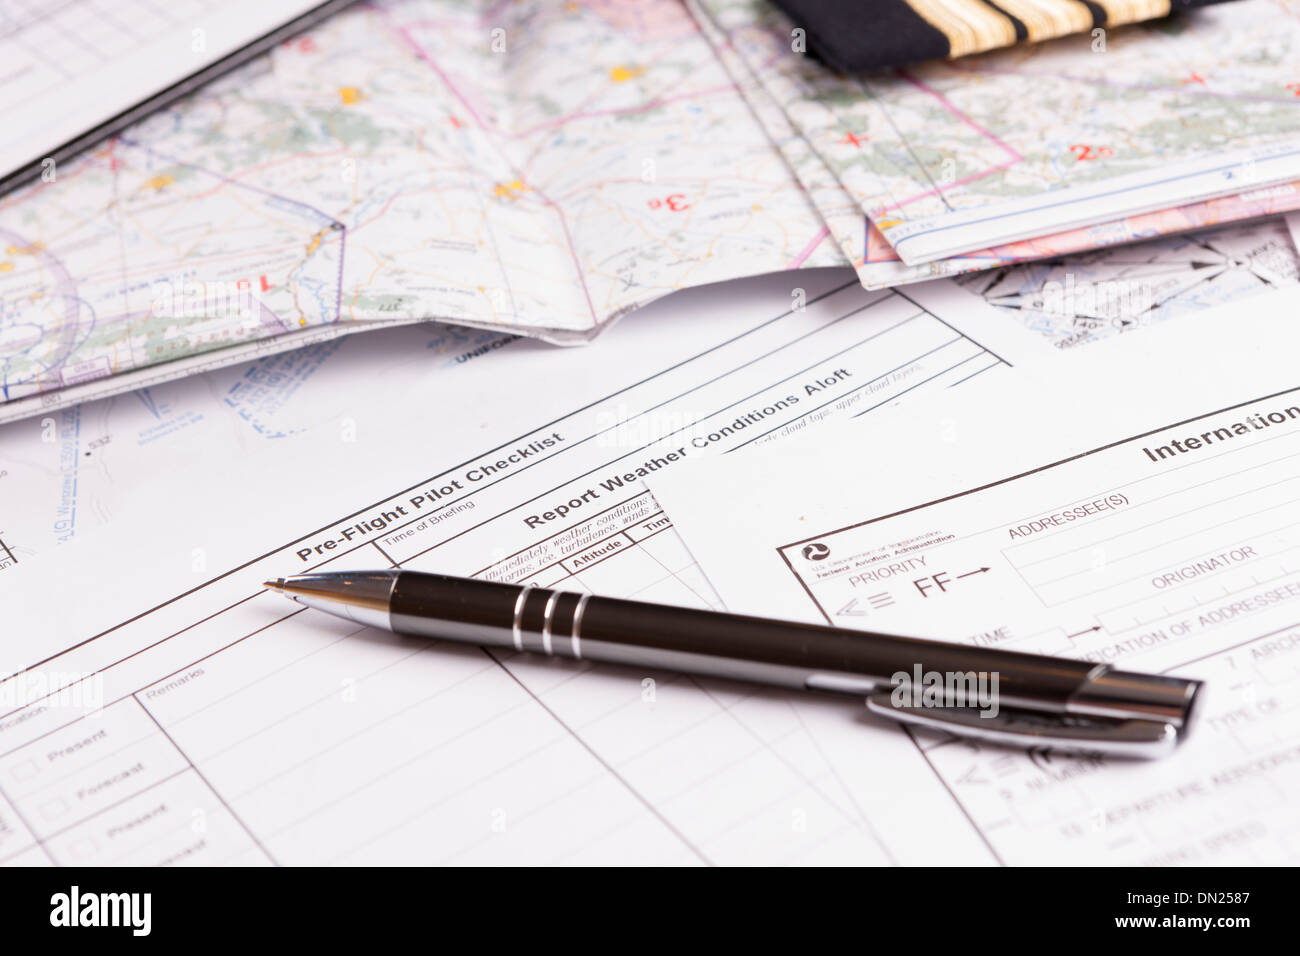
(816,552)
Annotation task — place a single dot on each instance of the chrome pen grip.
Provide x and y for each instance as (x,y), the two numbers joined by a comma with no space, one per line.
(521,617)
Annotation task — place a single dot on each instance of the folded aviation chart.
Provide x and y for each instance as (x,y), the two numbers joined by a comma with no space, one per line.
(1047,148)
(532,167)
(410,160)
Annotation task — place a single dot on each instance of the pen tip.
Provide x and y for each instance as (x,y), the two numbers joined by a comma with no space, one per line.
(276,585)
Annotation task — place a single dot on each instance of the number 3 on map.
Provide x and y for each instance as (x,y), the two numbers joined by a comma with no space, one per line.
(676,203)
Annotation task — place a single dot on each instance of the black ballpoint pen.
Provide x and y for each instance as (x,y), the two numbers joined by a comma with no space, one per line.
(1041,701)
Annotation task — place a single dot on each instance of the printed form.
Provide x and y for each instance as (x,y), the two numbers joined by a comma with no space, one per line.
(1141,510)
(163,708)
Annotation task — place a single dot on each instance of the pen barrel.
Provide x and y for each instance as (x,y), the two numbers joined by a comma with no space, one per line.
(810,656)
(783,653)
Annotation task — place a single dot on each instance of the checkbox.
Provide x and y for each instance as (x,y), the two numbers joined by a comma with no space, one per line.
(53,809)
(25,771)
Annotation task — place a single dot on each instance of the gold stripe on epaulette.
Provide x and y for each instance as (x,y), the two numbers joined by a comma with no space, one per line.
(1045,19)
(971,26)
(1132,11)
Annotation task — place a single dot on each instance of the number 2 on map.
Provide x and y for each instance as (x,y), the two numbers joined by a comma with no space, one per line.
(1082,152)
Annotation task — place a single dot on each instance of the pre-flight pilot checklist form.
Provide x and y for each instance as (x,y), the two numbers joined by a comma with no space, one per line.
(184,715)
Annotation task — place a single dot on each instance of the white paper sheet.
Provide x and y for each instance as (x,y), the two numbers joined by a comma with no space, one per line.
(1139,506)
(165,708)
(70,66)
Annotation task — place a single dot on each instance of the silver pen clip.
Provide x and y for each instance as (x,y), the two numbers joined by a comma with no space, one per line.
(1067,733)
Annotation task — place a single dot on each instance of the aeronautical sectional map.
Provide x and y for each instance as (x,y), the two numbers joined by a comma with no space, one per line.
(406,160)
(412,160)
(1041,138)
